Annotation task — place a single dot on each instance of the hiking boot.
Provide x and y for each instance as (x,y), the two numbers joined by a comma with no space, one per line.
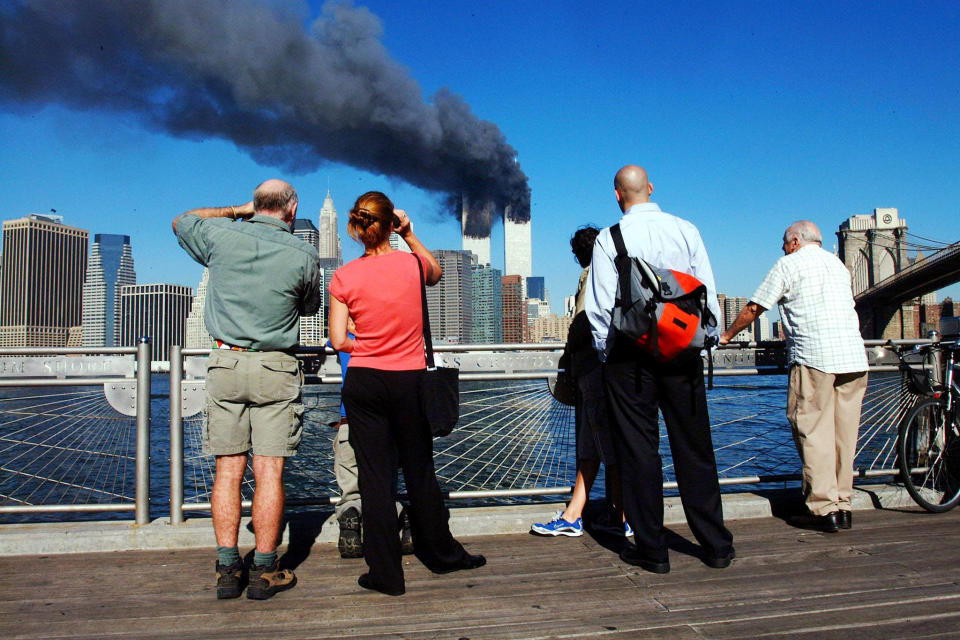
(350,542)
(558,527)
(265,582)
(231,580)
(406,540)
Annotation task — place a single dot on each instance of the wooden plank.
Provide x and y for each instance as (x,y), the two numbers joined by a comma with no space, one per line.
(894,574)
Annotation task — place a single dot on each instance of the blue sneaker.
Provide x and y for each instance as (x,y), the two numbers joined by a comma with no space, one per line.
(559,527)
(627,531)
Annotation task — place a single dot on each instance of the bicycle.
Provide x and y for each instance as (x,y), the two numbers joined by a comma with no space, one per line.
(928,443)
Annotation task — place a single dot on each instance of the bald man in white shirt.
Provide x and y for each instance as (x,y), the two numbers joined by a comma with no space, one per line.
(638,386)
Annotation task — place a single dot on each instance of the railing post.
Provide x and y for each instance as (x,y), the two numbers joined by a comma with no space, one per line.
(144,353)
(176,435)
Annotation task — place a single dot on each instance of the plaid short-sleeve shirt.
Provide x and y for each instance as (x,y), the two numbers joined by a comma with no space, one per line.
(812,288)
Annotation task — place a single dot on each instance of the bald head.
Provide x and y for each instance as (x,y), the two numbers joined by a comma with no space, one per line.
(276,198)
(632,186)
(799,234)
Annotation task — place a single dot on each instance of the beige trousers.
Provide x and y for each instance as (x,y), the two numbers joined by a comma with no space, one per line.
(824,411)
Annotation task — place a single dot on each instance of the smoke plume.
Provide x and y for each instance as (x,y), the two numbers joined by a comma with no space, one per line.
(291,95)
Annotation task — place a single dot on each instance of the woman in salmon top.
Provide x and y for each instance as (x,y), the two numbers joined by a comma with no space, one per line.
(381,292)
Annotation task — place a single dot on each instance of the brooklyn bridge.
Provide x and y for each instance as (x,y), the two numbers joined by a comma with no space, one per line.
(895,292)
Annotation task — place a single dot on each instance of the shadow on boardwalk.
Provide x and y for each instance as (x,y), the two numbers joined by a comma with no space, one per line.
(895,575)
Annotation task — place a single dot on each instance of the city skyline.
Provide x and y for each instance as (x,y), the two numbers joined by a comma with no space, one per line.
(762,128)
(473,303)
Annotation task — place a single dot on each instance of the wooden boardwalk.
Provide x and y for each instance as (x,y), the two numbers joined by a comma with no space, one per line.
(895,575)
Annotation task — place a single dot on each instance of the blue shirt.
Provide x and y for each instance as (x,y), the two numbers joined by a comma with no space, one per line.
(661,239)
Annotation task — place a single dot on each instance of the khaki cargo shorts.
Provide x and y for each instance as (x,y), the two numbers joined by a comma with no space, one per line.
(253,401)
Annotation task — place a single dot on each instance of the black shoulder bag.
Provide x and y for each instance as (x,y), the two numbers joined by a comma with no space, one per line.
(440,391)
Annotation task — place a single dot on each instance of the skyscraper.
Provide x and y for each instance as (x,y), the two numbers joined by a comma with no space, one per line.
(110,267)
(311,327)
(450,301)
(537,288)
(156,310)
(197,335)
(304,229)
(44,265)
(762,329)
(487,305)
(329,236)
(731,309)
(397,243)
(514,312)
(478,245)
(517,254)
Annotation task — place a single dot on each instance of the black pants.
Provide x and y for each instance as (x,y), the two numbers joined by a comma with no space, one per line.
(637,387)
(385,417)
(591,417)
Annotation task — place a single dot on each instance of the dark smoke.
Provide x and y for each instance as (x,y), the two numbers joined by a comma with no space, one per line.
(252,73)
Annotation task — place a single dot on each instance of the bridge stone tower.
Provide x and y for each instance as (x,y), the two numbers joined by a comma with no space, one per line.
(872,247)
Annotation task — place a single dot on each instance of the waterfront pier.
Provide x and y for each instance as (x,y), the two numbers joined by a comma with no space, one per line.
(107,440)
(894,575)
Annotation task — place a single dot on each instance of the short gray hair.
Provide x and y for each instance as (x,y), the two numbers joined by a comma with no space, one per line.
(804,231)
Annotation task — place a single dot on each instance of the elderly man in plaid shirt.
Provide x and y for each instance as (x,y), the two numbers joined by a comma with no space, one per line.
(828,368)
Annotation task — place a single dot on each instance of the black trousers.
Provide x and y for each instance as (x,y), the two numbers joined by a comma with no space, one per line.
(385,419)
(637,387)
(592,421)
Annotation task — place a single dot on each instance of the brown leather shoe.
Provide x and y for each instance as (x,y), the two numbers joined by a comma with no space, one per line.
(231,580)
(266,582)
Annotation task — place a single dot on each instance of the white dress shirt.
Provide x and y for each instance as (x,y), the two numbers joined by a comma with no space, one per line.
(661,239)
(812,288)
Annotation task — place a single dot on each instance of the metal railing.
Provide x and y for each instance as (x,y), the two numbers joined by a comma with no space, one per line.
(513,441)
(539,362)
(126,388)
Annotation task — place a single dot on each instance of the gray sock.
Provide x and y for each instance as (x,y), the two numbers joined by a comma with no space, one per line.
(227,555)
(264,559)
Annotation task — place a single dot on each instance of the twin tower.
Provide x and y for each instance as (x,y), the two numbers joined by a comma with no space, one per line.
(517,254)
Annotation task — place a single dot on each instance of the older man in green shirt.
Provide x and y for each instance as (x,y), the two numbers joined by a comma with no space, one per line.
(262,279)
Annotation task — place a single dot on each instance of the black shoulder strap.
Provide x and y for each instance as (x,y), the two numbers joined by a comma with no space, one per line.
(622,262)
(427,339)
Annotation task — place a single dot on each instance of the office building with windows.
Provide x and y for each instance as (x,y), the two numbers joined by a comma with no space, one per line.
(197,335)
(514,309)
(110,267)
(43,271)
(311,327)
(731,308)
(537,288)
(487,305)
(517,253)
(156,310)
(450,301)
(398,244)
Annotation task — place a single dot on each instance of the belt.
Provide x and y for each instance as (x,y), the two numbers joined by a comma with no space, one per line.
(220,344)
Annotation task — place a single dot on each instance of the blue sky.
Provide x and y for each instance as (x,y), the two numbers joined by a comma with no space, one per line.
(747,116)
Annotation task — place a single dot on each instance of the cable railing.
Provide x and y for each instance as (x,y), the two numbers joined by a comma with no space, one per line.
(67,446)
(84,448)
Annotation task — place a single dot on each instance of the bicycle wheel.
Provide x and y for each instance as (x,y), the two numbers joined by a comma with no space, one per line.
(929,457)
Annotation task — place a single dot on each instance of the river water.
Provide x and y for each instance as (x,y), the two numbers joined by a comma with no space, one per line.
(65,445)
